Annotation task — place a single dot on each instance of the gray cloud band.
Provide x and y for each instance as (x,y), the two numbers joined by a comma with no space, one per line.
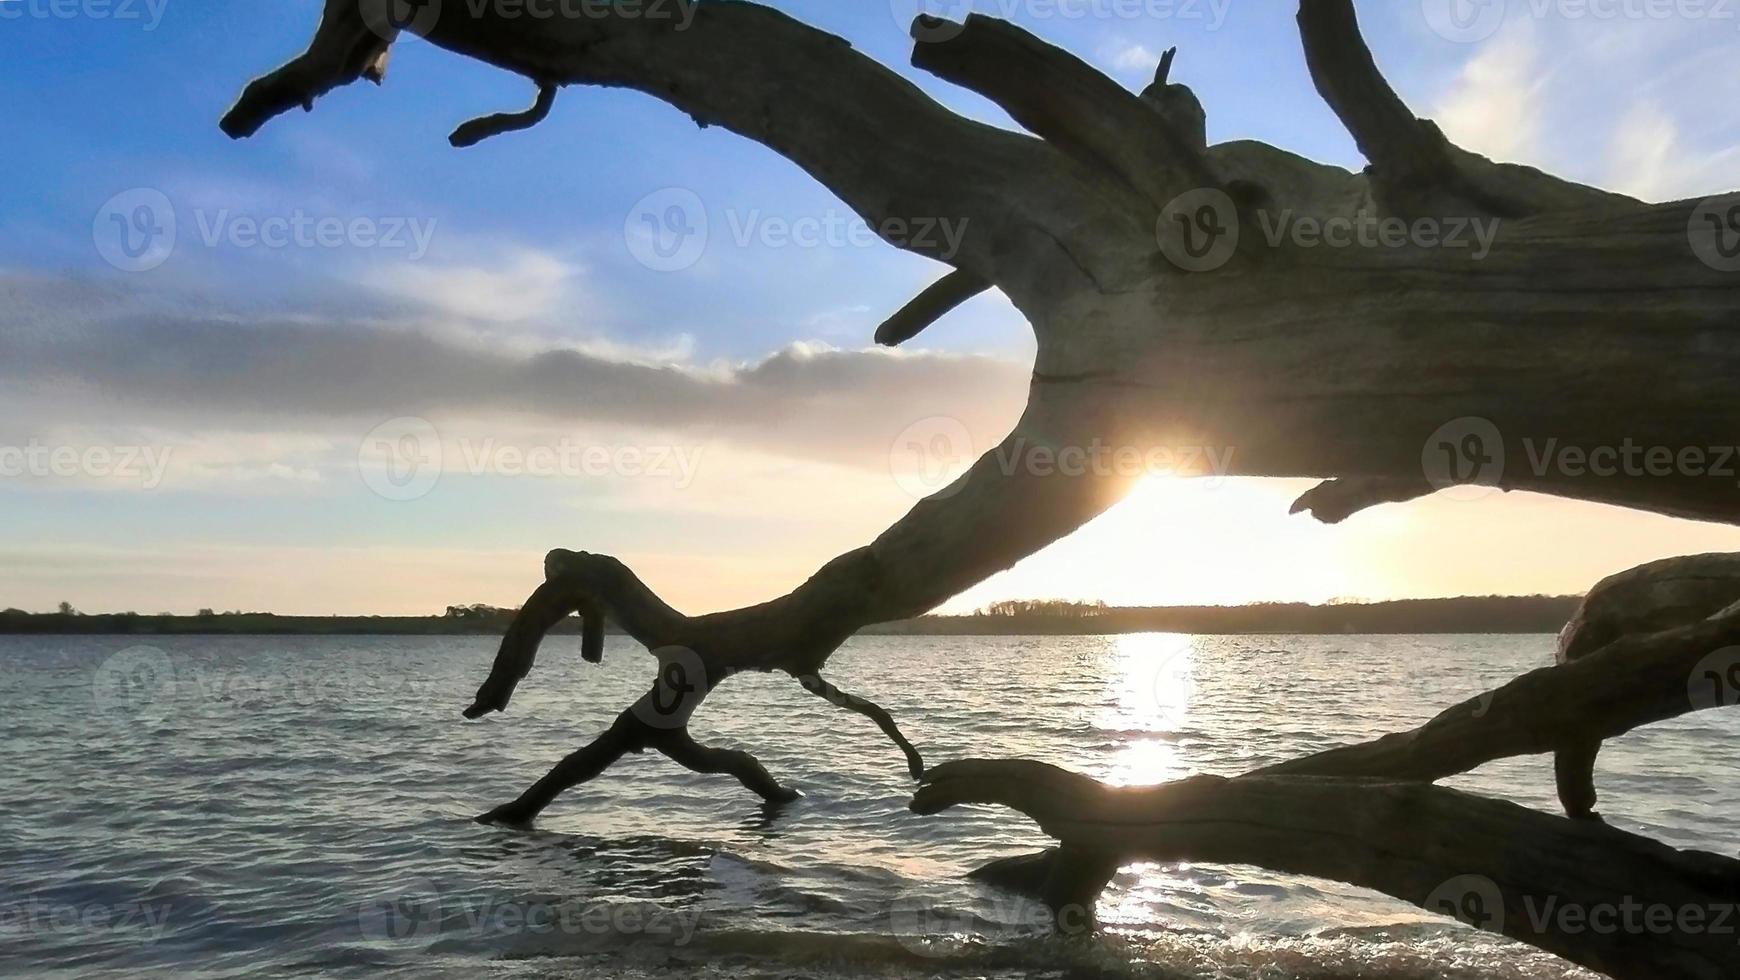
(60,339)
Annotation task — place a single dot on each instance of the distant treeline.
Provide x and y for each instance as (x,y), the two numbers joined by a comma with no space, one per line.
(1469,614)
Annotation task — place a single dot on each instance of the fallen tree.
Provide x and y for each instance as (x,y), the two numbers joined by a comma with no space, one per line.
(1367,814)
(1173,307)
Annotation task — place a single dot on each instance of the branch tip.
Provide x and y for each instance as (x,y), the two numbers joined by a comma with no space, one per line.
(485,127)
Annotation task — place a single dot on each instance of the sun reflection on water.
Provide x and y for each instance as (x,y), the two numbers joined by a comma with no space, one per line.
(1150,685)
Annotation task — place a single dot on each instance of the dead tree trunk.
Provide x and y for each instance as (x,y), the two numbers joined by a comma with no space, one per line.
(1171,305)
(1649,644)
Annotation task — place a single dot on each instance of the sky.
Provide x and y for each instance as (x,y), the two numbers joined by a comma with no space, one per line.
(344,368)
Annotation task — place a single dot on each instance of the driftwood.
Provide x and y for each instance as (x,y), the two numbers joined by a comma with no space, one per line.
(1590,893)
(1178,304)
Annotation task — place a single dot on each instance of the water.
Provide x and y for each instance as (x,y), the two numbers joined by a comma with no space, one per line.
(213,807)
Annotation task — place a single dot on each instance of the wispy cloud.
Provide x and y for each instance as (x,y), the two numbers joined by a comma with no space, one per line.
(526,284)
(1129,56)
(1495,106)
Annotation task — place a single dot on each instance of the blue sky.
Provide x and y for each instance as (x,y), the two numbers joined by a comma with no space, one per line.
(523,318)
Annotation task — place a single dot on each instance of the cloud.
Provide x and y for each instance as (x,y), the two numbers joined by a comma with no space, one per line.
(1495,105)
(1645,158)
(90,355)
(1640,105)
(527,285)
(1649,157)
(1129,56)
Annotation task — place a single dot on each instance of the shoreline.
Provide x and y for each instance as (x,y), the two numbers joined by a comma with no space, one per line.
(1457,616)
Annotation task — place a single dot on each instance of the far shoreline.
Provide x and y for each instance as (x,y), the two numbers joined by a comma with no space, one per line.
(1467,615)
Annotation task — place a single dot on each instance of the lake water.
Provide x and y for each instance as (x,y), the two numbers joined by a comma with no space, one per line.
(301,806)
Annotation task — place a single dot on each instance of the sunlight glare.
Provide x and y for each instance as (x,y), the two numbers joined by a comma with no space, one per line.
(1151,684)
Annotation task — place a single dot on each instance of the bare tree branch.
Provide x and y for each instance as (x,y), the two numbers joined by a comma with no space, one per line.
(1416,170)
(478,130)
(1334,501)
(933,304)
(814,684)
(1326,360)
(1492,863)
(1068,103)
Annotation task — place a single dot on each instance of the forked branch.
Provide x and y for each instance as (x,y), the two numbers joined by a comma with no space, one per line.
(1068,103)
(1415,170)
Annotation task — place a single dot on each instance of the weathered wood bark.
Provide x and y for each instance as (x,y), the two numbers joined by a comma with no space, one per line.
(1330,814)
(1643,600)
(1174,305)
(1497,865)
